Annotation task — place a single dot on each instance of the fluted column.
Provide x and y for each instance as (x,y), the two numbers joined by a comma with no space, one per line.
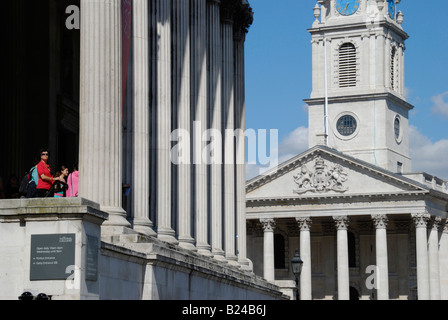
(240,145)
(141,175)
(305,253)
(342,257)
(181,105)
(228,104)
(214,61)
(421,221)
(199,111)
(161,14)
(101,108)
(380,222)
(433,258)
(268,249)
(443,261)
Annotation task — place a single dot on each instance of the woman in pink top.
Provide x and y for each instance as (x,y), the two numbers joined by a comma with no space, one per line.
(72,182)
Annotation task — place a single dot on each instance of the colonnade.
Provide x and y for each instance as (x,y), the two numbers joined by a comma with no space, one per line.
(188,77)
(431,255)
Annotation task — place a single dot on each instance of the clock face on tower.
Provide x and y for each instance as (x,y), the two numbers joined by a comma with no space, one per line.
(347,7)
(391,4)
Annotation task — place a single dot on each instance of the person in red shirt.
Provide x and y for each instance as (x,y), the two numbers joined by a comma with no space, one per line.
(46,179)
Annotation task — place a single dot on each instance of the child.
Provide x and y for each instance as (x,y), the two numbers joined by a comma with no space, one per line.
(60,187)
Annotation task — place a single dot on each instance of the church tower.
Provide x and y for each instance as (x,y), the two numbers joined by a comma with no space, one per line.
(357,104)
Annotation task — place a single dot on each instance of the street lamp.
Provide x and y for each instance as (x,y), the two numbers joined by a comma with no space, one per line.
(296,264)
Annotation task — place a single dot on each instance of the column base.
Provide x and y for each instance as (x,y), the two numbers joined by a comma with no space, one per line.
(219,255)
(167,235)
(144,226)
(232,260)
(117,217)
(204,249)
(245,264)
(147,231)
(187,243)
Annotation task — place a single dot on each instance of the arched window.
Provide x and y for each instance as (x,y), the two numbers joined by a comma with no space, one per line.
(347,65)
(279,251)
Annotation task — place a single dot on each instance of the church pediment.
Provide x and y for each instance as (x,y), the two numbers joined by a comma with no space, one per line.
(322,172)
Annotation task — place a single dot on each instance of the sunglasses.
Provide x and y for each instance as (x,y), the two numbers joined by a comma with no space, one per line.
(44,154)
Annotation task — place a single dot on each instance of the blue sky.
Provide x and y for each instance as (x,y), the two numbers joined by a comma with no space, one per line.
(278,77)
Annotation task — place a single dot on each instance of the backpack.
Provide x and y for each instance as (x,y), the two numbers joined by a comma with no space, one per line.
(27,185)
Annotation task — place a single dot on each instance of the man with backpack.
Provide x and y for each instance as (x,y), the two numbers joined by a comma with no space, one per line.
(29,182)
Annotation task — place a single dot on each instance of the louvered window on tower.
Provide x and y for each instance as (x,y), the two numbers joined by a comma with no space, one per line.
(347,65)
(393,69)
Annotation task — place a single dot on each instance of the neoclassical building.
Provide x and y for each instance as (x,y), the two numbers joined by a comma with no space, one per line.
(131,90)
(365,225)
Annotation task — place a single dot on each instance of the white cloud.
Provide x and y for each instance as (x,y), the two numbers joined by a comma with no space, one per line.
(294,144)
(440,104)
(427,156)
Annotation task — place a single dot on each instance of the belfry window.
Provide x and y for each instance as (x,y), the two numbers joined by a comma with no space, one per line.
(393,69)
(347,65)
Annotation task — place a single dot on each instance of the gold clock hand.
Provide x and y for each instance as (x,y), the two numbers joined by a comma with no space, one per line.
(346,7)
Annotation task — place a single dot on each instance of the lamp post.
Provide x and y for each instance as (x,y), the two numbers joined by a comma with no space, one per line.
(296,264)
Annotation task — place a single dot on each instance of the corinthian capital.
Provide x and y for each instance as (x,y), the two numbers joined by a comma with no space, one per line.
(341,222)
(304,223)
(435,223)
(380,221)
(268,224)
(445,226)
(421,219)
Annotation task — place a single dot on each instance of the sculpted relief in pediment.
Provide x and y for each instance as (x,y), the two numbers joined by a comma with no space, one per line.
(321,178)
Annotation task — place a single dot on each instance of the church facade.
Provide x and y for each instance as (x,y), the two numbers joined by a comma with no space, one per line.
(365,225)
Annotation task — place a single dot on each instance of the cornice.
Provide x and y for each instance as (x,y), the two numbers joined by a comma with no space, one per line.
(360,97)
(359,26)
(330,198)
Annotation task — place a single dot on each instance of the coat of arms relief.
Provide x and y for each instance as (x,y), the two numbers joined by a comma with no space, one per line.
(321,179)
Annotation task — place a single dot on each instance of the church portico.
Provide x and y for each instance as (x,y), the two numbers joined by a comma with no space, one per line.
(355,241)
(341,253)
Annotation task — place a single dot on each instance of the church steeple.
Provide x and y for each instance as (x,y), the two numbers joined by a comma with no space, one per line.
(358,103)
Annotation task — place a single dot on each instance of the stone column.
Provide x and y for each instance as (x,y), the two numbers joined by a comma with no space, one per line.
(214,61)
(199,111)
(421,220)
(443,262)
(342,257)
(101,108)
(305,254)
(240,145)
(181,104)
(161,11)
(433,259)
(380,222)
(268,249)
(228,105)
(141,175)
